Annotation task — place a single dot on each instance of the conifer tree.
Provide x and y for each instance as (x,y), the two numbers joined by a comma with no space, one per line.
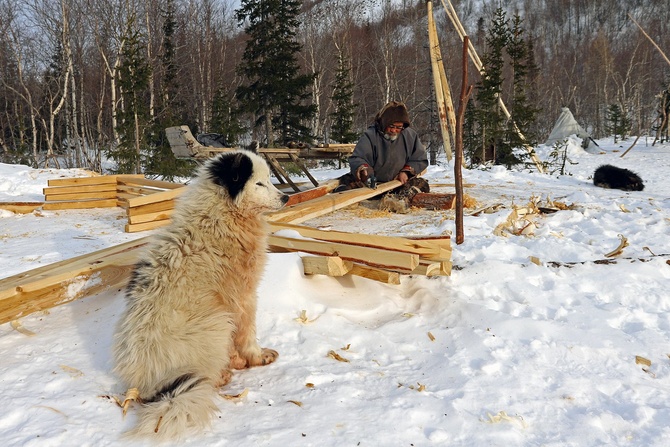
(618,123)
(490,121)
(523,113)
(341,129)
(275,92)
(133,117)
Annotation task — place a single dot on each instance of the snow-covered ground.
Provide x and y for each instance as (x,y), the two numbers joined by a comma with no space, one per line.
(506,351)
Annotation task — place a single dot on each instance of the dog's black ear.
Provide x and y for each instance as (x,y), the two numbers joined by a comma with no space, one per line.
(253,146)
(231,171)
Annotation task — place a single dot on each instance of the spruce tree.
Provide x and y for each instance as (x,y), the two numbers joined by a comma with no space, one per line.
(133,116)
(488,115)
(523,113)
(618,123)
(275,92)
(341,129)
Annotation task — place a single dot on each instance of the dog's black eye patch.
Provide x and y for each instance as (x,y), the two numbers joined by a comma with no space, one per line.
(231,171)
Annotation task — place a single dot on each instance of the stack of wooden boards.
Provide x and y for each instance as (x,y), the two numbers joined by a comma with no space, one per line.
(333,253)
(148,203)
(382,258)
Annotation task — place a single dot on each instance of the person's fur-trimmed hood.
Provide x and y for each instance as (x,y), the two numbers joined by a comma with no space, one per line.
(392,112)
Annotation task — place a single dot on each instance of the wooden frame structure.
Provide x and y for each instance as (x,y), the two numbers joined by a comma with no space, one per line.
(185,146)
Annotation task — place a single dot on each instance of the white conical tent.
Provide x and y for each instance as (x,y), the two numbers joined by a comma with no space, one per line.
(565,126)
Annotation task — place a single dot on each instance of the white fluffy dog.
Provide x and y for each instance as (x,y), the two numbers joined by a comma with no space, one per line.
(191,301)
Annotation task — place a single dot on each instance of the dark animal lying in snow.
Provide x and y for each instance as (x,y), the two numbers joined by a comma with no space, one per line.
(608,176)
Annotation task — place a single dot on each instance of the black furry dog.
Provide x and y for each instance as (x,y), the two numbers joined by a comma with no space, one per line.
(608,176)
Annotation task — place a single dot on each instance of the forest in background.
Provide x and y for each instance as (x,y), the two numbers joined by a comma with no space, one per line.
(64,68)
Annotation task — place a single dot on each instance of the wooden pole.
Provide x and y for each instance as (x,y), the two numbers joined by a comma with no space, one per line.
(650,39)
(632,145)
(466,90)
(439,92)
(451,12)
(446,91)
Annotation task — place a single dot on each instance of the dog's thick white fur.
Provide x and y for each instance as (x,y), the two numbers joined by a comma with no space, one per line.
(191,300)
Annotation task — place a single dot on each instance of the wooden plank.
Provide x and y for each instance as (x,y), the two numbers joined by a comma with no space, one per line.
(310,194)
(157,197)
(67,280)
(441,240)
(150,208)
(133,180)
(374,257)
(104,187)
(304,196)
(124,197)
(150,217)
(335,147)
(326,265)
(98,180)
(134,228)
(419,247)
(328,203)
(80,205)
(135,191)
(20,207)
(279,151)
(375,274)
(81,196)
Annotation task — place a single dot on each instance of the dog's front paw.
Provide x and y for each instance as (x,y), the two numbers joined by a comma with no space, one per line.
(226,377)
(268,356)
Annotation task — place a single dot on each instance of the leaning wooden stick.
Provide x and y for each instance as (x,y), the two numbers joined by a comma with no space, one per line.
(466,90)
(631,146)
(437,81)
(650,39)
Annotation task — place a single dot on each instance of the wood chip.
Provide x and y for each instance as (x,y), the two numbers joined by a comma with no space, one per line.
(431,336)
(334,355)
(18,327)
(642,361)
(619,250)
(503,417)
(296,402)
(132,395)
(241,395)
(302,318)
(73,372)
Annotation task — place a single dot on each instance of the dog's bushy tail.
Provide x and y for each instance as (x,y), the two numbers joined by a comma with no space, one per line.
(184,406)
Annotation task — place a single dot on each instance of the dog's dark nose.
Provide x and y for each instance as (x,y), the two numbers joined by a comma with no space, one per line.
(284,199)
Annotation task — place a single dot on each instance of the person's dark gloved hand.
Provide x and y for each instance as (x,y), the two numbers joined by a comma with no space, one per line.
(364,173)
